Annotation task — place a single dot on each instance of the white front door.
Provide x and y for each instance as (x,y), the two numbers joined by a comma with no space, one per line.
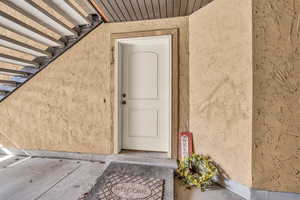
(145,65)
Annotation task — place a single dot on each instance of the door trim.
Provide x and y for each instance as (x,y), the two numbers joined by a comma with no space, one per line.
(115,106)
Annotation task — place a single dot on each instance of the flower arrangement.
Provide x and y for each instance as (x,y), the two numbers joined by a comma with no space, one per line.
(197,171)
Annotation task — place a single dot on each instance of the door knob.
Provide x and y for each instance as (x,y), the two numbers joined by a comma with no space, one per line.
(123,95)
(123,102)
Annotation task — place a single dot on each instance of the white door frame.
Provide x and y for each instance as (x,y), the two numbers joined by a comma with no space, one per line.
(118,88)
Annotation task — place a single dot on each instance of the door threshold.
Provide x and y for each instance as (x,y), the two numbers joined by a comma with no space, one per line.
(144,154)
(143,158)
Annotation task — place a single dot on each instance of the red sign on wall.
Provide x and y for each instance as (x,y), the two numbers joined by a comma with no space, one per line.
(185,144)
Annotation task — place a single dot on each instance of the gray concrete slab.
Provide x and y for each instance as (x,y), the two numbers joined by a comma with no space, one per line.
(7,160)
(68,179)
(30,179)
(77,183)
(48,179)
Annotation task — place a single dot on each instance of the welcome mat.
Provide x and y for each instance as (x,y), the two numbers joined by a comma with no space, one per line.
(119,187)
(124,181)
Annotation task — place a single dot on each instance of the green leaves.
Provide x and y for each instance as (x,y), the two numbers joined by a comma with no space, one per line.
(197,171)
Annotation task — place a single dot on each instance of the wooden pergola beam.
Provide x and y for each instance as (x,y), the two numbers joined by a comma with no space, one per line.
(8,82)
(12,72)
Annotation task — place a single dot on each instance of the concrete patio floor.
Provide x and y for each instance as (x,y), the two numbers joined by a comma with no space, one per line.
(41,179)
(67,179)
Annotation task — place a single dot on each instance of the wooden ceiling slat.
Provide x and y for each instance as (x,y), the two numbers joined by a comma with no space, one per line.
(137,9)
(107,13)
(123,7)
(198,4)
(188,6)
(173,8)
(143,12)
(111,4)
(191,7)
(156,7)
(166,7)
(111,10)
(170,6)
(162,4)
(150,8)
(177,5)
(116,7)
(184,4)
(144,9)
(159,9)
(130,9)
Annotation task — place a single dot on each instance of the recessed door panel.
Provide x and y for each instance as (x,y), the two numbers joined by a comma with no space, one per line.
(142,75)
(142,123)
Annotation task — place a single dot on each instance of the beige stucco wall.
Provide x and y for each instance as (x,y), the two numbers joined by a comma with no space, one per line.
(67,107)
(244,90)
(221,85)
(276,127)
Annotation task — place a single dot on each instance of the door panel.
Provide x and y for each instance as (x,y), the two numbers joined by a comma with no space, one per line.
(145,86)
(142,123)
(142,75)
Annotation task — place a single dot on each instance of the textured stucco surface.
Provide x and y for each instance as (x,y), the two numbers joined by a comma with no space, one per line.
(67,107)
(276,126)
(221,85)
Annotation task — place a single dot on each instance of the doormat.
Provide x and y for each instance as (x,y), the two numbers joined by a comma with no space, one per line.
(124,181)
(119,187)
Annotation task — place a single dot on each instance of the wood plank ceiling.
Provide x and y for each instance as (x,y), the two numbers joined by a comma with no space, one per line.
(133,10)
